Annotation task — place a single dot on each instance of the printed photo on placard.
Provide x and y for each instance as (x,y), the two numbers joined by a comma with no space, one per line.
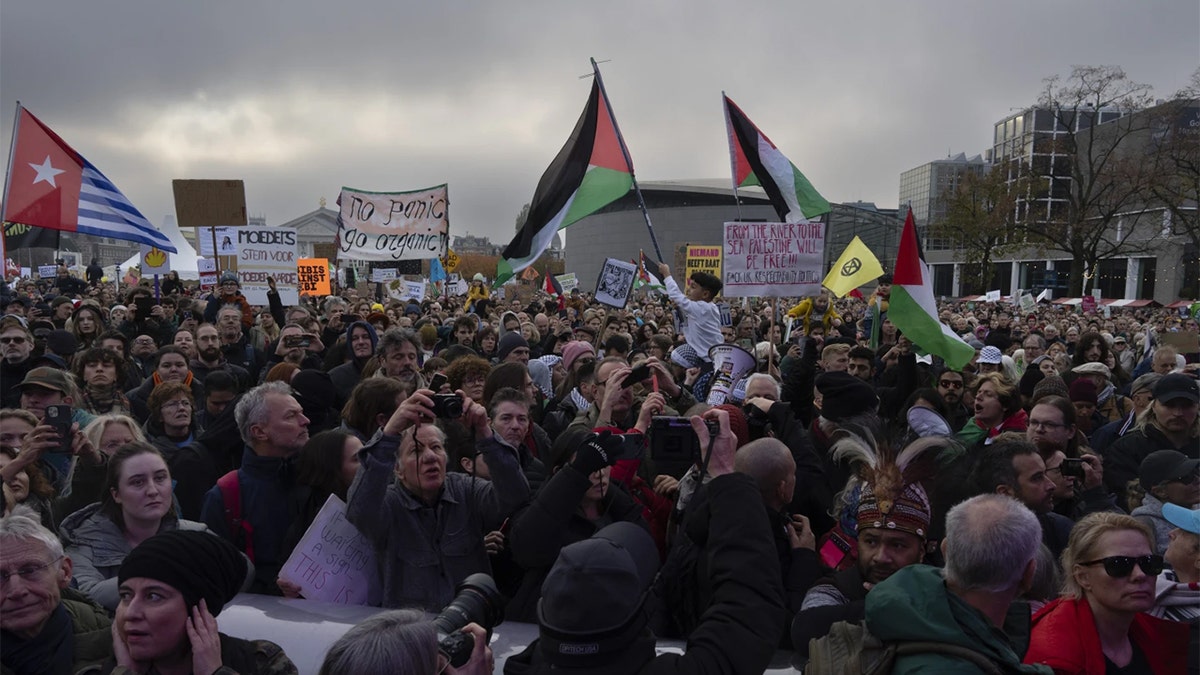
(615,283)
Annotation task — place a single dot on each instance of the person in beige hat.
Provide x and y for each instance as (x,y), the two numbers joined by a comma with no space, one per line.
(1110,404)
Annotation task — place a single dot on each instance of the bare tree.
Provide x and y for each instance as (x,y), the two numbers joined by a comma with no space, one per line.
(981,216)
(1097,182)
(1174,156)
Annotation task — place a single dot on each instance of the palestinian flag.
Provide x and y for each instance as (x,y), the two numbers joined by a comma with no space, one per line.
(589,173)
(913,309)
(555,290)
(645,277)
(756,161)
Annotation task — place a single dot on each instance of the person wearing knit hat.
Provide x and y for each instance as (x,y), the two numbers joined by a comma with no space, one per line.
(1082,393)
(513,348)
(573,350)
(1051,385)
(172,588)
(844,395)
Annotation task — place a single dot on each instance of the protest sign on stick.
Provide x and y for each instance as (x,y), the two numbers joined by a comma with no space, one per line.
(313,276)
(773,259)
(379,226)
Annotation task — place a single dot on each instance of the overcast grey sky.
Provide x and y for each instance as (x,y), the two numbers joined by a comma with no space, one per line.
(301,98)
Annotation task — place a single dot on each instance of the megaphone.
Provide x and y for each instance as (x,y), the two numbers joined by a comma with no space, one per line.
(731,364)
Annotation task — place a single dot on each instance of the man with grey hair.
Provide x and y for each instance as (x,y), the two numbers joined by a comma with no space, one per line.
(45,625)
(273,427)
(398,353)
(990,548)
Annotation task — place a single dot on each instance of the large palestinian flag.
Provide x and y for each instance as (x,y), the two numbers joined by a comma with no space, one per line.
(913,309)
(589,172)
(756,161)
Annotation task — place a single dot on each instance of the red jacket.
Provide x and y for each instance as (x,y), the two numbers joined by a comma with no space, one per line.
(1064,637)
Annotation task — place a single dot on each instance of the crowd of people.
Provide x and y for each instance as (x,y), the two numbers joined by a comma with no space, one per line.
(165,449)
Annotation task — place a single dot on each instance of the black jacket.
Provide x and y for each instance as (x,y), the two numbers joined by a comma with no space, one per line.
(541,529)
(743,623)
(1124,456)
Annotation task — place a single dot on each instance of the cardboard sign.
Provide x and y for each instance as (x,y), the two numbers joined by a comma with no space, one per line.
(1184,342)
(155,260)
(773,259)
(334,562)
(313,276)
(204,203)
(393,225)
(267,252)
(702,259)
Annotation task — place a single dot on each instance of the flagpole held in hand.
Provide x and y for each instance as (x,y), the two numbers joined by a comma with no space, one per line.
(625,151)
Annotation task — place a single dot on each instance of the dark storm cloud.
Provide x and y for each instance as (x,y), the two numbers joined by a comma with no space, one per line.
(300,98)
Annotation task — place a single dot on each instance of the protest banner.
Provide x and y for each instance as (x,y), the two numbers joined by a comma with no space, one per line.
(403,289)
(47,271)
(267,252)
(313,276)
(334,562)
(702,259)
(1028,305)
(726,313)
(1088,304)
(453,260)
(773,259)
(393,225)
(155,260)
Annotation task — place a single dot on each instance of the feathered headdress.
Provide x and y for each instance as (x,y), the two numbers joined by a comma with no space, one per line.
(891,496)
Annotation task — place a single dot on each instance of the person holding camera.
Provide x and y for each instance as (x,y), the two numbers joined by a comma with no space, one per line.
(297,347)
(403,641)
(428,527)
(1077,472)
(573,505)
(592,617)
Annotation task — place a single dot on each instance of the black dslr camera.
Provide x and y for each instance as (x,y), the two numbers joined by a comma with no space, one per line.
(478,601)
(447,406)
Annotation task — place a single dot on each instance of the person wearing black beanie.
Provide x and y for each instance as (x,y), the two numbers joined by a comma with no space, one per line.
(172,587)
(513,347)
(844,395)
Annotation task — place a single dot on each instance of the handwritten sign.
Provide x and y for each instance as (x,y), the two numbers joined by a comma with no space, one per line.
(47,271)
(267,252)
(568,281)
(313,276)
(702,259)
(773,259)
(334,562)
(393,225)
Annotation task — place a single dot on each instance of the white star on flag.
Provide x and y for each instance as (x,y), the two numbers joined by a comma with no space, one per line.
(45,172)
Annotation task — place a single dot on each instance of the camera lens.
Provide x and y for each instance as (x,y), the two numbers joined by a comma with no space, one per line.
(478,601)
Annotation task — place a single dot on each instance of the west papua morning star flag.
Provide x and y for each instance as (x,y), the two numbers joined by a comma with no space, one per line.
(53,187)
(756,161)
(589,173)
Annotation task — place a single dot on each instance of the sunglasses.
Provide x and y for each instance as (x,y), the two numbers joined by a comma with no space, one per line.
(1121,566)
(15,340)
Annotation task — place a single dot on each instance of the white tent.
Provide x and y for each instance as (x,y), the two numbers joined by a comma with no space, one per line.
(184,262)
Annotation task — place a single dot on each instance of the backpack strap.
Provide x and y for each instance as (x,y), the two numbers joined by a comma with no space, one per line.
(239,528)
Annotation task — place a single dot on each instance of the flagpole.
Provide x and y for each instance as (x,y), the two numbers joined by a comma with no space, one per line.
(628,161)
(12,144)
(732,162)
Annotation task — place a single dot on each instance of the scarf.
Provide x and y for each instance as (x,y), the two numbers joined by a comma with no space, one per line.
(52,651)
(158,380)
(104,400)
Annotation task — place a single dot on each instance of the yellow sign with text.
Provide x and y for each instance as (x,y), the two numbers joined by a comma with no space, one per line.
(702,259)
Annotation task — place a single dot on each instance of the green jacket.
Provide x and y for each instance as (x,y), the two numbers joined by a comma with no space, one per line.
(93,632)
(914,604)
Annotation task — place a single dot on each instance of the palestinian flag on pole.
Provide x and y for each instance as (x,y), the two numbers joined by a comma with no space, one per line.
(555,290)
(912,307)
(589,173)
(756,161)
(645,277)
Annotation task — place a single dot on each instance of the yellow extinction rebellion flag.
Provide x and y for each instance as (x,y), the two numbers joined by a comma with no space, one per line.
(855,267)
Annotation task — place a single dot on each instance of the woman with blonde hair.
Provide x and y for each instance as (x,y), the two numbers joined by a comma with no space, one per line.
(109,432)
(1100,624)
